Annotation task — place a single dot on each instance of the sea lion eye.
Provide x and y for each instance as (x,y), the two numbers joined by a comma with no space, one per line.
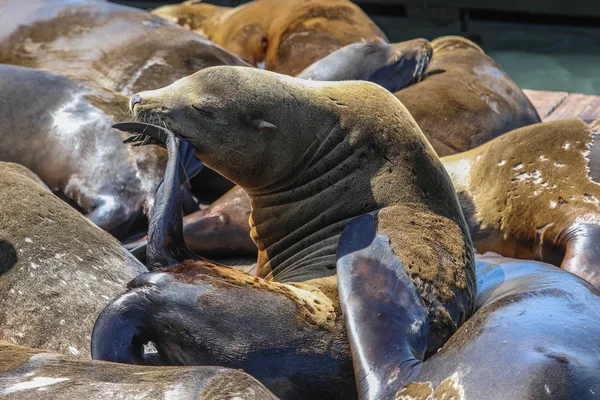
(203,112)
(211,115)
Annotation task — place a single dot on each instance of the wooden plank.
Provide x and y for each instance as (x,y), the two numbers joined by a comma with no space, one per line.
(552,106)
(544,101)
(576,106)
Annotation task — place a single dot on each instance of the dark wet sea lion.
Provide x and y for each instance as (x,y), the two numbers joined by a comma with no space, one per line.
(27,373)
(466,99)
(534,193)
(533,333)
(393,66)
(57,270)
(60,128)
(344,155)
(115,47)
(284,36)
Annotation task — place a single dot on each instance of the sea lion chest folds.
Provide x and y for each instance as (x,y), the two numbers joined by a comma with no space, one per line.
(360,166)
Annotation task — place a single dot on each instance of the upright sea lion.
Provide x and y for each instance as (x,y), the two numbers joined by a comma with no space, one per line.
(466,99)
(60,128)
(533,193)
(57,269)
(283,35)
(27,373)
(115,47)
(222,229)
(311,155)
(533,334)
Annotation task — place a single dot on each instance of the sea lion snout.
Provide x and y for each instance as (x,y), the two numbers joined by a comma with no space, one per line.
(135,100)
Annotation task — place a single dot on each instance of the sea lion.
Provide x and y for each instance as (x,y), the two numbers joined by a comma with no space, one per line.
(284,36)
(534,331)
(60,128)
(57,269)
(311,155)
(27,373)
(222,229)
(533,193)
(466,99)
(116,47)
(393,66)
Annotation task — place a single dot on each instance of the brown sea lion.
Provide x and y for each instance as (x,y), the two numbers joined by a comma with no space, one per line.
(345,155)
(533,332)
(282,35)
(57,270)
(27,373)
(222,229)
(534,193)
(115,47)
(531,193)
(60,128)
(466,99)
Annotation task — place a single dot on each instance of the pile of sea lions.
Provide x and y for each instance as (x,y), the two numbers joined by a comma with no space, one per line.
(416,231)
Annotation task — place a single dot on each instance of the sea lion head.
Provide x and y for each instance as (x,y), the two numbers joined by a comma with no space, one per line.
(193,15)
(255,127)
(393,66)
(453,42)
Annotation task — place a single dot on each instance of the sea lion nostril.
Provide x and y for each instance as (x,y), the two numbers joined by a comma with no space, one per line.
(135,100)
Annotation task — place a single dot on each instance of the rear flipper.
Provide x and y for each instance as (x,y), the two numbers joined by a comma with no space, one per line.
(387,323)
(165,245)
(582,252)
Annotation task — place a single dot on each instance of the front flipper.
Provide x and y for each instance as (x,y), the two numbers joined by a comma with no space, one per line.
(387,323)
(582,255)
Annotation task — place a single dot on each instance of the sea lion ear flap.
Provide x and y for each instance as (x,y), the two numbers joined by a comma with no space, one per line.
(264,126)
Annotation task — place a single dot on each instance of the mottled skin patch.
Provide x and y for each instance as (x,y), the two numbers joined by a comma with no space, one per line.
(284,35)
(115,47)
(70,378)
(532,193)
(466,99)
(66,269)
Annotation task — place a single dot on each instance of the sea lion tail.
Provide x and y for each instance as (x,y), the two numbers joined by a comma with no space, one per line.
(387,323)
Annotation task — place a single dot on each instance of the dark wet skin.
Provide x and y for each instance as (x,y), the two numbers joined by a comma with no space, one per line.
(533,334)
(60,128)
(393,66)
(115,47)
(185,308)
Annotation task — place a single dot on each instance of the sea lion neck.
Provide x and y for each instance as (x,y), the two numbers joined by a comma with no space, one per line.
(314,209)
(346,177)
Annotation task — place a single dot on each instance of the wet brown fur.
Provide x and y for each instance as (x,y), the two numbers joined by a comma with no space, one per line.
(466,99)
(525,193)
(287,35)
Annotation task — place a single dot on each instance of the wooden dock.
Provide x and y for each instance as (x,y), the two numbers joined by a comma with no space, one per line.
(562,105)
